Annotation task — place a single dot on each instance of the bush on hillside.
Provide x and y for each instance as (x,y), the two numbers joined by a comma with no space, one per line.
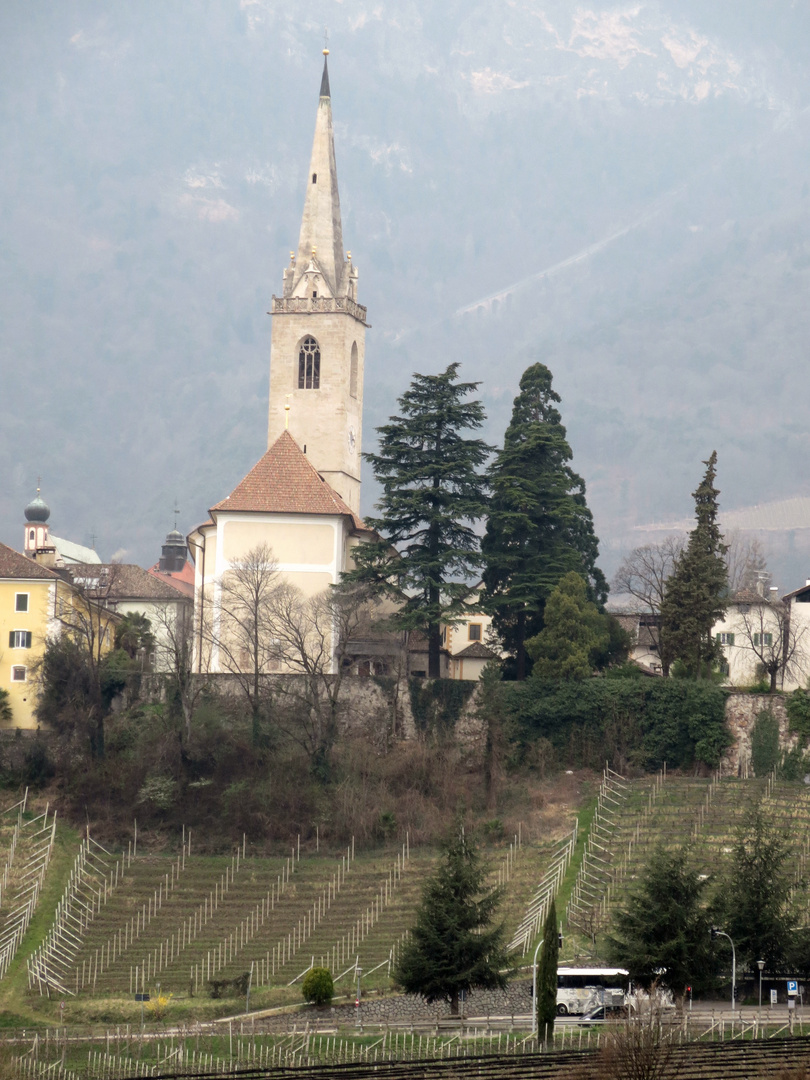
(318,987)
(765,754)
(639,722)
(798,710)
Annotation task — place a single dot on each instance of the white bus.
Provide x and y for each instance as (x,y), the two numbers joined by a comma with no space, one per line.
(582,989)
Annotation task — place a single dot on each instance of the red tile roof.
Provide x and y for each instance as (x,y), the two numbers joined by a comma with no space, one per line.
(284,481)
(15,565)
(182,580)
(121,581)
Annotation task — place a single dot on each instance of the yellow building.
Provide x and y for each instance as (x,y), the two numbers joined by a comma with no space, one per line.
(37,603)
(29,602)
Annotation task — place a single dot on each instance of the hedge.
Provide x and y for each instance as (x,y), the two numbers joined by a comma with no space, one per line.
(644,722)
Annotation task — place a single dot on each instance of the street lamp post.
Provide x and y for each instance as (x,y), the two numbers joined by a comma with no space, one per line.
(760,965)
(715,932)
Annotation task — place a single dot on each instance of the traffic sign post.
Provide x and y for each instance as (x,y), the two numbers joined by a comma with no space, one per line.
(142,998)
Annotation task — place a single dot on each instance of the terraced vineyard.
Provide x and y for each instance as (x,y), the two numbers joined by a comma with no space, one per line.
(126,924)
(674,810)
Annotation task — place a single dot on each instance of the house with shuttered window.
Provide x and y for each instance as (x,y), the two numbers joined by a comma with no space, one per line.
(36,603)
(29,595)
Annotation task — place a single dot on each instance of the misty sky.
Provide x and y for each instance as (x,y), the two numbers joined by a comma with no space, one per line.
(619,191)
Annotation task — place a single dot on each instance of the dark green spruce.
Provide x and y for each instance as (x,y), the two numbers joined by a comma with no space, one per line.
(662,932)
(432,494)
(539,527)
(453,946)
(694,598)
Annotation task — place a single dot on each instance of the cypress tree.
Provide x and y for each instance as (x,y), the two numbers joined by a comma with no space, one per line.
(432,494)
(453,945)
(695,593)
(539,527)
(546,1003)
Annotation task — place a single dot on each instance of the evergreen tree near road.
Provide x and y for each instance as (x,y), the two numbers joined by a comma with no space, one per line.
(663,931)
(539,527)
(454,945)
(695,593)
(432,494)
(754,904)
(546,1003)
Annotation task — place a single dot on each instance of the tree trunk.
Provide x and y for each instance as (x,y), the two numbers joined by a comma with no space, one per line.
(520,653)
(434,652)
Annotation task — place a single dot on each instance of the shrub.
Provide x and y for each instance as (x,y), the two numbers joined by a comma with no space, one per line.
(317,986)
(798,710)
(764,743)
(219,988)
(436,704)
(647,722)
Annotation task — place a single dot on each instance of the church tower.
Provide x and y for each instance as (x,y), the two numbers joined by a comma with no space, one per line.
(318,336)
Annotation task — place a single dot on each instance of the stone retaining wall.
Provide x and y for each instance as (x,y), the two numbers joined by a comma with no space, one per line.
(741,714)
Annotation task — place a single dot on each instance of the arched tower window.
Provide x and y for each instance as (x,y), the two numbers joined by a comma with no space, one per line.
(309,364)
(353,371)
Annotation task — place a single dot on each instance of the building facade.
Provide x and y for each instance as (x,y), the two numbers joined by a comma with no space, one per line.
(296,512)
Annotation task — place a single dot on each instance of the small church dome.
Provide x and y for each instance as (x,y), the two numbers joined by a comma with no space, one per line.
(175,537)
(37,510)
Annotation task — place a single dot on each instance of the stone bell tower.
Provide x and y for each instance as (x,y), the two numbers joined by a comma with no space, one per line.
(319,330)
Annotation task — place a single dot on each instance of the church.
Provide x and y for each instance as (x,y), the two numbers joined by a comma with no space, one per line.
(301,500)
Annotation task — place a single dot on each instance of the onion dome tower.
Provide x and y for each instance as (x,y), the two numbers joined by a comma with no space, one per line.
(36,526)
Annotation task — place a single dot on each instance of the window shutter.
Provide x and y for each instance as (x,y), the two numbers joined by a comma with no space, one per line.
(717,638)
(11,639)
(28,639)
(731,639)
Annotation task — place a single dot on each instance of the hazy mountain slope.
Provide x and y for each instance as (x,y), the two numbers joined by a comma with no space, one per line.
(151,188)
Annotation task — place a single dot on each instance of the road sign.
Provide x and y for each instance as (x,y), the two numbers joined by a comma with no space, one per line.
(793,988)
(141,997)
(774,997)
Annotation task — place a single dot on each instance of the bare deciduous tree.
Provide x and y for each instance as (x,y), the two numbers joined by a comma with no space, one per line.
(643,574)
(315,638)
(238,631)
(174,652)
(86,616)
(777,644)
(745,560)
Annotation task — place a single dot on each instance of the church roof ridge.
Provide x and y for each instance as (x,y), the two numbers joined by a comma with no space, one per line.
(284,481)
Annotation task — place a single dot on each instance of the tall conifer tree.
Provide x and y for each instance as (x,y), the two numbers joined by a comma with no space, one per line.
(546,1003)
(695,593)
(432,494)
(539,526)
(454,945)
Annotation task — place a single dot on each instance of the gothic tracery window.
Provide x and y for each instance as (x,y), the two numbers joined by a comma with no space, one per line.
(309,364)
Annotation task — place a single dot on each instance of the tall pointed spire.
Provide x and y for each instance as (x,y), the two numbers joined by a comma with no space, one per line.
(321,229)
